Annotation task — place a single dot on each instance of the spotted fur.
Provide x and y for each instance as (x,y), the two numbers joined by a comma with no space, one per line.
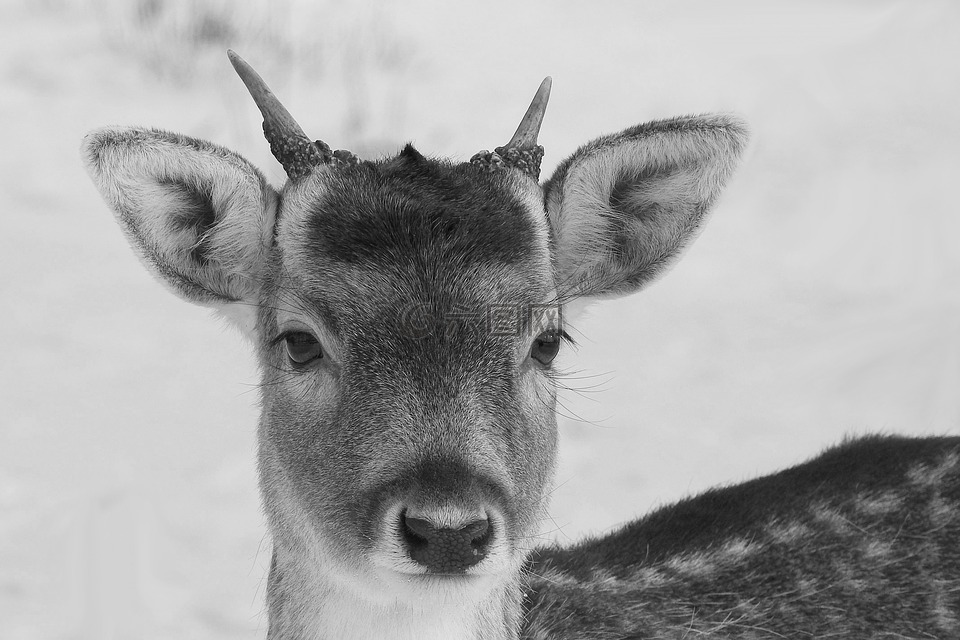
(861,542)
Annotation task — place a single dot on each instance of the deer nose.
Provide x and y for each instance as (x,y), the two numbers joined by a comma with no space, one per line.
(446,549)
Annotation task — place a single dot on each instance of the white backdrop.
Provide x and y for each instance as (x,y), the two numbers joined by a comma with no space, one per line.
(823,298)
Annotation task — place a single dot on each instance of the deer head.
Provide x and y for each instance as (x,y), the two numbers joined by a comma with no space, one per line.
(406,313)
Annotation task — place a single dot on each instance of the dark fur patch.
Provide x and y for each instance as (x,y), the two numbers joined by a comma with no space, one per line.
(195,214)
(628,201)
(411,208)
(410,153)
(623,196)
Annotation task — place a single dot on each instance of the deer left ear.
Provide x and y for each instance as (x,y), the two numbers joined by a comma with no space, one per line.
(624,206)
(201,216)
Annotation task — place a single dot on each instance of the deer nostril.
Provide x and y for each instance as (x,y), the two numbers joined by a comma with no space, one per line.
(445,549)
(477,530)
(419,528)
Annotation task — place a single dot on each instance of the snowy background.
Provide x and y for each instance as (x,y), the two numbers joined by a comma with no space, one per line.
(823,298)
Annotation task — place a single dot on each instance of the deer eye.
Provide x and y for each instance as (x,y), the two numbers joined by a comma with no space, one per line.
(546,346)
(302,347)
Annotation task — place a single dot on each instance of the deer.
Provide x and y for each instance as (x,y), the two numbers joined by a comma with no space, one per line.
(406,313)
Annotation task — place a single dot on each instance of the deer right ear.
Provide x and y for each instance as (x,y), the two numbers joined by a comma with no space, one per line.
(201,217)
(624,206)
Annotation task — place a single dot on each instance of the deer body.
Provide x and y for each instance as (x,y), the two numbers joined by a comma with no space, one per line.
(861,542)
(406,314)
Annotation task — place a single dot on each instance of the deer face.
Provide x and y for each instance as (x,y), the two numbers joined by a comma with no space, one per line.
(408,404)
(406,314)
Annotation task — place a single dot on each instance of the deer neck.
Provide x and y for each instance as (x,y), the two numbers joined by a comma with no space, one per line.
(310,604)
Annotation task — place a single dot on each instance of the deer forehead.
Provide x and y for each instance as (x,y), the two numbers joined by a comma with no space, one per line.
(379,239)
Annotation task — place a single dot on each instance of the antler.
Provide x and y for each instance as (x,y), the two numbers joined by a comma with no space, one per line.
(289,144)
(526,134)
(522,152)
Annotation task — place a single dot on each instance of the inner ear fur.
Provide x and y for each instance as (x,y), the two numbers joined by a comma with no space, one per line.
(623,206)
(200,216)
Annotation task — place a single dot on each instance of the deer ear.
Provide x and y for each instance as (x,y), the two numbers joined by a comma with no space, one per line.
(200,216)
(624,206)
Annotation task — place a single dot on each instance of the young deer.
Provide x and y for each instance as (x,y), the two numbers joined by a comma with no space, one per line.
(406,313)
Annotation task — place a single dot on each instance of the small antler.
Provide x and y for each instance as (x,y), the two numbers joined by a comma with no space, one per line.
(289,144)
(522,152)
(529,129)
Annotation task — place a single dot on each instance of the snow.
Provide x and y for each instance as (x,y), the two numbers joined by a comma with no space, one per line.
(823,298)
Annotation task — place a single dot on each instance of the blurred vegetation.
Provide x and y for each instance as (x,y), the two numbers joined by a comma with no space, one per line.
(350,48)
